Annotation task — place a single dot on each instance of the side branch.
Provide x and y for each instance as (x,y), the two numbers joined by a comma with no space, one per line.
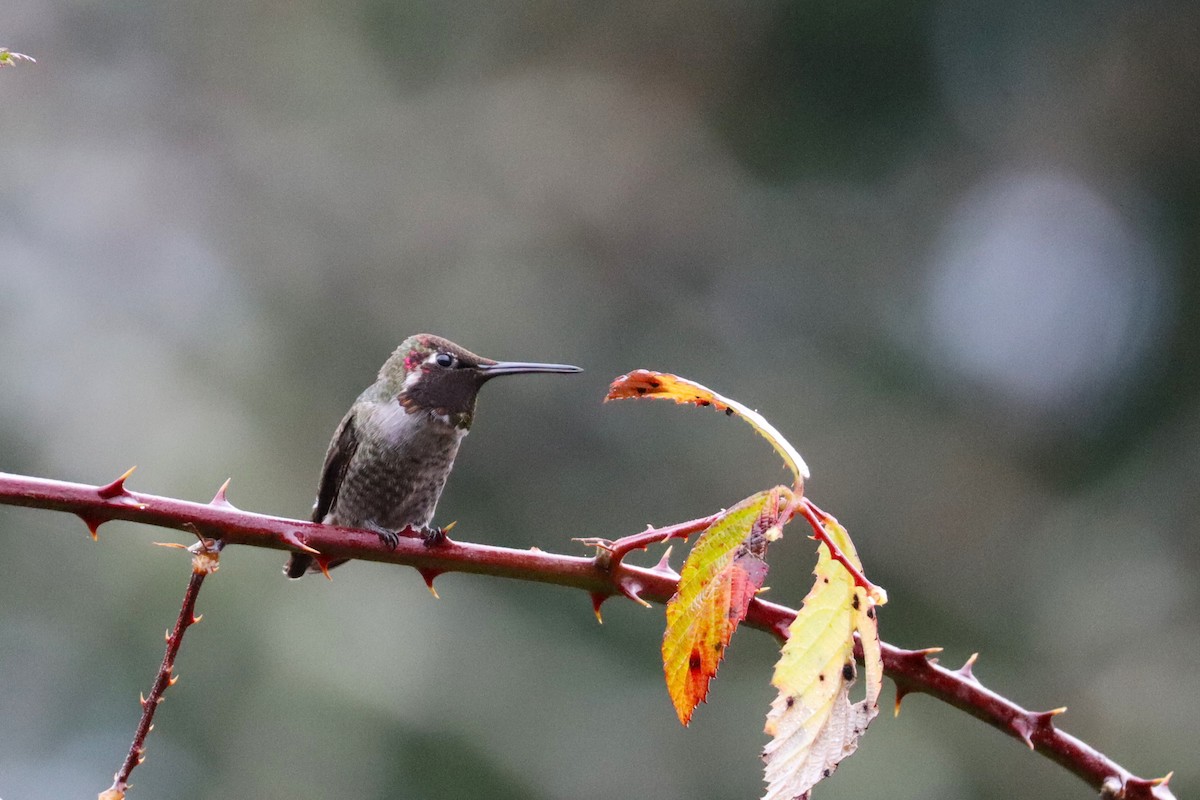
(204,562)
(911,670)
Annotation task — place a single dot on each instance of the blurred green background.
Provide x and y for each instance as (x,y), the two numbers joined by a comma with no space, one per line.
(949,248)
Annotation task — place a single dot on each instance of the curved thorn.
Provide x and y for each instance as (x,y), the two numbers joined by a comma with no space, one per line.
(901,693)
(292,538)
(966,669)
(93,523)
(1023,728)
(167,635)
(110,490)
(196,618)
(597,601)
(664,563)
(630,589)
(220,498)
(429,575)
(323,563)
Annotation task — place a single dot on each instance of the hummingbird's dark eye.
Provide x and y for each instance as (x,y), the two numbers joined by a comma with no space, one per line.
(444,360)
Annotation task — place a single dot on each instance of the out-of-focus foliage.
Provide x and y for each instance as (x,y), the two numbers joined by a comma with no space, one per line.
(951,246)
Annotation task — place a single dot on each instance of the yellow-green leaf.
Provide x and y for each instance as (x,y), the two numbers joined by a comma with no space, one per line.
(812,722)
(721,576)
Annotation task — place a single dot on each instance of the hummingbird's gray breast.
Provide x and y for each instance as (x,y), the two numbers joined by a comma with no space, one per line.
(398,470)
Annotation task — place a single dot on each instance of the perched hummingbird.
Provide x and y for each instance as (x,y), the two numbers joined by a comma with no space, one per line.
(390,457)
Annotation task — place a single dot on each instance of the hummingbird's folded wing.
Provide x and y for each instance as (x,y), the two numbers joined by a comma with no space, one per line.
(337,460)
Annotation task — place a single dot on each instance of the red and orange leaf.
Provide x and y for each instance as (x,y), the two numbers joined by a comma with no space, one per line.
(644,383)
(720,578)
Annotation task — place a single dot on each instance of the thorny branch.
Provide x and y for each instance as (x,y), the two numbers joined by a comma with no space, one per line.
(600,576)
(205,555)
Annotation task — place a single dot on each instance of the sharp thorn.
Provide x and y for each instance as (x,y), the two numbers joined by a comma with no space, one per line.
(171,681)
(93,524)
(196,618)
(429,575)
(175,545)
(901,693)
(142,699)
(1023,728)
(117,487)
(664,563)
(447,528)
(630,590)
(220,498)
(966,669)
(323,563)
(597,601)
(293,539)
(1045,719)
(167,636)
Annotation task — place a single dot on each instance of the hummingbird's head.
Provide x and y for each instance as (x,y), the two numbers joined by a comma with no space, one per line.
(429,373)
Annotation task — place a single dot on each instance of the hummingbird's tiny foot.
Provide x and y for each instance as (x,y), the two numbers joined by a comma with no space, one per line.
(432,537)
(388,537)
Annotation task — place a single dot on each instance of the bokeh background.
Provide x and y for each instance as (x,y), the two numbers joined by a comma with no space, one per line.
(949,247)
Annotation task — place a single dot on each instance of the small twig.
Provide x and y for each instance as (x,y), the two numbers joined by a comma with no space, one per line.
(617,550)
(816,518)
(205,555)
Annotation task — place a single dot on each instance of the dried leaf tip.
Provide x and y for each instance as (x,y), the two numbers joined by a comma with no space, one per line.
(7,59)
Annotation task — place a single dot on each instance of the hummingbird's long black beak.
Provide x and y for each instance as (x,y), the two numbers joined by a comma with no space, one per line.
(522,367)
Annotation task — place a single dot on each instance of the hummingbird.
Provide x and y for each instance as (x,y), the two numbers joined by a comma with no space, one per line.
(390,457)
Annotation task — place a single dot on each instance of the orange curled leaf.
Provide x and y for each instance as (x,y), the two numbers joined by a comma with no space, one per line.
(644,383)
(718,581)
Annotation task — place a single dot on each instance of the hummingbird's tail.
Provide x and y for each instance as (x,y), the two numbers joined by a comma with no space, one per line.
(297,565)
(300,564)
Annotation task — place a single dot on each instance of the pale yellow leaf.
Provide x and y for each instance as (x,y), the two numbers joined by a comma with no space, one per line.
(812,722)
